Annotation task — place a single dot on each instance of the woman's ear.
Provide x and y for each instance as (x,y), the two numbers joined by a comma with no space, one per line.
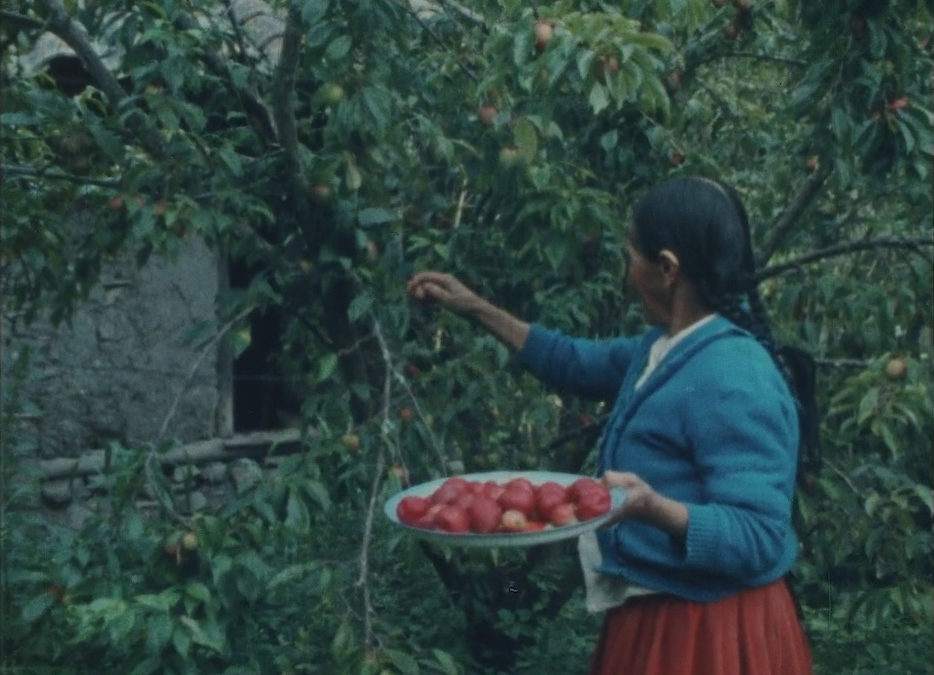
(669,265)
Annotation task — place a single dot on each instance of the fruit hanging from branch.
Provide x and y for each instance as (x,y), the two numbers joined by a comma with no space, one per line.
(896,369)
(544,33)
(606,65)
(487,114)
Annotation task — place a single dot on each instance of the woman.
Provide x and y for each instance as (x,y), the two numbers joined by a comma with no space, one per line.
(703,435)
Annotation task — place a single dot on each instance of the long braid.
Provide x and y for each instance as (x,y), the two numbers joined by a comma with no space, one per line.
(795,364)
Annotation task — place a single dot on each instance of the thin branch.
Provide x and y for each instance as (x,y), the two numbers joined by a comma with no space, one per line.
(846,479)
(843,249)
(196,365)
(767,57)
(460,206)
(283,102)
(787,220)
(257,113)
(437,38)
(466,13)
(385,440)
(14,170)
(76,37)
(842,363)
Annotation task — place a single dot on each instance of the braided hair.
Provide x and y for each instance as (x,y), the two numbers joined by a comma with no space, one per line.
(705,224)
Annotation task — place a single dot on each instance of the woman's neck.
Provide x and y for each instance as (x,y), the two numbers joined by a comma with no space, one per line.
(686,310)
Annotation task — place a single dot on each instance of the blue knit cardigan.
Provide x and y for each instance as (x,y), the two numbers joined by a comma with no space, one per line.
(714,427)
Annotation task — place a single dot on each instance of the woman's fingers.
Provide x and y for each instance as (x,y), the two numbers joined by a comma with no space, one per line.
(623,479)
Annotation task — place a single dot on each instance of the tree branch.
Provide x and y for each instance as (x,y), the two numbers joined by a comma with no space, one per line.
(20,20)
(76,37)
(466,13)
(789,218)
(385,440)
(437,38)
(283,103)
(257,112)
(843,249)
(766,57)
(13,170)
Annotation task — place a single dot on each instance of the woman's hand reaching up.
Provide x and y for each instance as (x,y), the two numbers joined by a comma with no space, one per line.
(445,289)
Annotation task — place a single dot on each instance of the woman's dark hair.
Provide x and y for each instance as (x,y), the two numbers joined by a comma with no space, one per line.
(704,223)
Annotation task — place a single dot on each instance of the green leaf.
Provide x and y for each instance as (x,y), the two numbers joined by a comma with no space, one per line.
(598,98)
(38,606)
(338,48)
(352,176)
(147,666)
(526,139)
(19,119)
(317,492)
(326,366)
(447,662)
(313,11)
(181,640)
(292,573)
(359,306)
(162,602)
(377,216)
(296,512)
(206,635)
(404,662)
(926,495)
(343,641)
(230,159)
(199,591)
(159,632)
(867,405)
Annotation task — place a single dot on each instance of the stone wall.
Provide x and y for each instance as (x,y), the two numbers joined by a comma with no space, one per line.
(125,363)
(192,477)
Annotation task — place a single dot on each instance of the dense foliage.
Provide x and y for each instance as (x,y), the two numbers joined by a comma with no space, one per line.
(386,137)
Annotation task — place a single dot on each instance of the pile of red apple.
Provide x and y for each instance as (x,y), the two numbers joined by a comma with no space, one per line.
(461,506)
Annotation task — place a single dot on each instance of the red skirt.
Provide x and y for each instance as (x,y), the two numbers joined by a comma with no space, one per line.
(754,632)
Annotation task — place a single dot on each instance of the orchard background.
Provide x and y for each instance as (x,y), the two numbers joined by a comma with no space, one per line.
(387,137)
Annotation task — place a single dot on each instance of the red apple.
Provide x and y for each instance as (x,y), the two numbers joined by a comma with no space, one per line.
(547,497)
(534,526)
(731,30)
(464,499)
(449,490)
(513,521)
(453,519)
(544,32)
(321,193)
(487,113)
(475,487)
(518,499)
(582,485)
(520,483)
(410,509)
(898,104)
(562,514)
(484,514)
(493,490)
(428,521)
(593,503)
